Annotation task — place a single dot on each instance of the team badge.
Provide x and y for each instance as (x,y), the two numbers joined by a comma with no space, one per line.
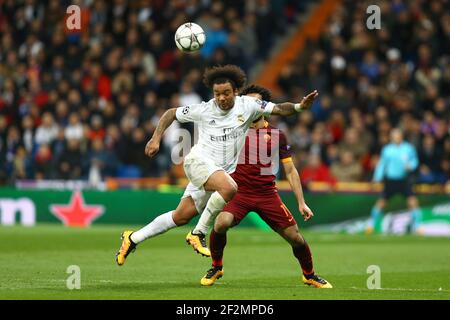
(241,119)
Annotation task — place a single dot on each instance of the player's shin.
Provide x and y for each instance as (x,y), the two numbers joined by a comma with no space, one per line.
(217,243)
(416,219)
(376,219)
(160,224)
(304,257)
(213,208)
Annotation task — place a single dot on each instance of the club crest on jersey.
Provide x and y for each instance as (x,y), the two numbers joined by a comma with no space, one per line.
(240,119)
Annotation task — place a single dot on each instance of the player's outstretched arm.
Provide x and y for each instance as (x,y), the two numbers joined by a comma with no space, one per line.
(166,120)
(288,108)
(296,186)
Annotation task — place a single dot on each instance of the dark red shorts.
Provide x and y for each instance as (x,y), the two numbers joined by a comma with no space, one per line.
(269,207)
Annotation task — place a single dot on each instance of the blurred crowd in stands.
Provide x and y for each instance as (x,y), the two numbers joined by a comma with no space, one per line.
(82,105)
(371,81)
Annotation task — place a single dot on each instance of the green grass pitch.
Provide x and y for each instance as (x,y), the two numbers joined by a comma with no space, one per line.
(258,265)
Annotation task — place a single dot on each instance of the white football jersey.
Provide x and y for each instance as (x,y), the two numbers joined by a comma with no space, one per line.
(222,132)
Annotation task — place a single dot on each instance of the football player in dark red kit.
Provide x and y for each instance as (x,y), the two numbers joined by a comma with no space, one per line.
(255,176)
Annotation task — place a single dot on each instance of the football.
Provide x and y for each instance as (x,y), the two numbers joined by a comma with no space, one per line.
(190,37)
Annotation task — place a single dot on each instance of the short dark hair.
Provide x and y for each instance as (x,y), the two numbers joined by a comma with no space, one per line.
(253,88)
(223,74)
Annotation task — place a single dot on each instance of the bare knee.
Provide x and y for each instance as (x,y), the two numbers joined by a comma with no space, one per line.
(223,183)
(223,222)
(180,220)
(183,214)
(221,227)
(228,190)
(293,236)
(296,240)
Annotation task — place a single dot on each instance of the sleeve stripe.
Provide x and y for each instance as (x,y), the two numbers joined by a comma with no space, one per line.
(285,160)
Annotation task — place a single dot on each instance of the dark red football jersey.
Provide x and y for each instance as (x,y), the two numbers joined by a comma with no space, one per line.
(260,159)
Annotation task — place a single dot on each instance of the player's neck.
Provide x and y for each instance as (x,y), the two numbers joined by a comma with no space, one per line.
(222,111)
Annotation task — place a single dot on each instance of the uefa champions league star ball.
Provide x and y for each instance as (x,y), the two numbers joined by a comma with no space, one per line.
(190,37)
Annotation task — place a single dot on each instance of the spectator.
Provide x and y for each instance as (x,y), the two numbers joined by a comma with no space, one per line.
(318,146)
(62,113)
(347,169)
(336,125)
(59,144)
(217,37)
(332,155)
(445,163)
(47,131)
(188,95)
(354,144)
(70,161)
(43,163)
(28,133)
(12,144)
(98,80)
(74,129)
(21,164)
(316,171)
(300,137)
(100,162)
(97,131)
(429,123)
(429,158)
(135,154)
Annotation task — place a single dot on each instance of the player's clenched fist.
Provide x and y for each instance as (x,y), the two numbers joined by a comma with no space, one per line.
(152,148)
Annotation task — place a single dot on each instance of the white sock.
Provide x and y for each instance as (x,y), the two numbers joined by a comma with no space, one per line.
(159,225)
(213,208)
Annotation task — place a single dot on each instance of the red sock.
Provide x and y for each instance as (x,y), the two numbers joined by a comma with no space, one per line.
(304,257)
(217,243)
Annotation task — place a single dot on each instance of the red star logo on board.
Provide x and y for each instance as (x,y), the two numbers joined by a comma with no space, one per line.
(77,213)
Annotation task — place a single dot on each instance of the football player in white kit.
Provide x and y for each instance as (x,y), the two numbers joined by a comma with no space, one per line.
(223,124)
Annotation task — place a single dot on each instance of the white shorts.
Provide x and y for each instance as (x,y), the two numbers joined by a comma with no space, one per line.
(198,168)
(199,195)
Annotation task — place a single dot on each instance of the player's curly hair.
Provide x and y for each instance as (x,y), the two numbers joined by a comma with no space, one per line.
(223,74)
(253,88)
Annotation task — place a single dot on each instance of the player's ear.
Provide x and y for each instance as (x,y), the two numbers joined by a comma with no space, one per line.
(236,92)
